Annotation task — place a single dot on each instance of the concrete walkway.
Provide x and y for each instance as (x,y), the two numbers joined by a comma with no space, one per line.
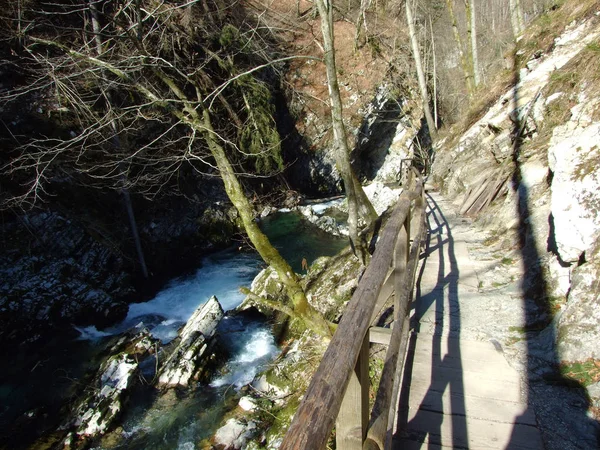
(458,390)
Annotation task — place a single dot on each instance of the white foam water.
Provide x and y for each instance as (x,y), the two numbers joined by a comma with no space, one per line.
(256,347)
(220,274)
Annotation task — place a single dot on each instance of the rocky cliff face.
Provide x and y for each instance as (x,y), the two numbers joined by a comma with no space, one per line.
(78,265)
(528,171)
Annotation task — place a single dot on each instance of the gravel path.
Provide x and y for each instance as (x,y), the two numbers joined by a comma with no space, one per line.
(488,305)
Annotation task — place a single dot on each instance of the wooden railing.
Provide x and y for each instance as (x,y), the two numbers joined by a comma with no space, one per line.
(338,393)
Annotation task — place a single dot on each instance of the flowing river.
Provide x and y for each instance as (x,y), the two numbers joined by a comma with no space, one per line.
(182,419)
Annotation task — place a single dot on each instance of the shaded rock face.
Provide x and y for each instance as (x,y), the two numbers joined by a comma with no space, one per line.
(54,272)
(79,266)
(381,141)
(176,232)
(385,137)
(195,338)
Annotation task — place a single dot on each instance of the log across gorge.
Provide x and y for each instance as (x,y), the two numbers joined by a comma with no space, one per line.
(339,391)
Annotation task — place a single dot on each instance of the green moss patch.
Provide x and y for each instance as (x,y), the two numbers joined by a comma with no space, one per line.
(585,372)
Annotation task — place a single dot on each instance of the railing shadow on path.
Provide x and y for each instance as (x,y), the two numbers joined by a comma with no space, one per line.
(536,296)
(429,418)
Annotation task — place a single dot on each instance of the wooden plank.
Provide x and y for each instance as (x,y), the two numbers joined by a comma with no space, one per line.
(384,294)
(475,407)
(398,376)
(381,425)
(400,259)
(464,383)
(442,345)
(380,335)
(314,420)
(353,418)
(473,196)
(408,444)
(378,425)
(465,432)
(485,367)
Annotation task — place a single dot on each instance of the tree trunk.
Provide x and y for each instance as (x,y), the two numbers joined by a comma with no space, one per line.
(435,104)
(359,205)
(197,118)
(472,32)
(461,53)
(420,75)
(312,318)
(516,17)
(360,22)
(117,144)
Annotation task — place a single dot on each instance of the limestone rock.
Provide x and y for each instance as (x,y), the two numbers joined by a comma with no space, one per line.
(234,434)
(321,215)
(98,410)
(53,271)
(579,322)
(382,196)
(247,403)
(115,379)
(266,284)
(400,148)
(267,389)
(573,157)
(185,361)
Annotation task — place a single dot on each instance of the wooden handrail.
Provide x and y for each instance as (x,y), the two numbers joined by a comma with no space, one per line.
(312,425)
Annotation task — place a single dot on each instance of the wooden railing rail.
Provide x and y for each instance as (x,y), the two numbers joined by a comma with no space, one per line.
(339,390)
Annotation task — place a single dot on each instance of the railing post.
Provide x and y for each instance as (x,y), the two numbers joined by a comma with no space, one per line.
(400,261)
(353,418)
(407,228)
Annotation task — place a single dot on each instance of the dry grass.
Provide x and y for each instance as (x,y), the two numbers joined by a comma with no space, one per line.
(542,31)
(580,72)
(360,70)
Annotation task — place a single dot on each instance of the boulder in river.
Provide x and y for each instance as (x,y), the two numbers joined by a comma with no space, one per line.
(234,434)
(97,411)
(195,337)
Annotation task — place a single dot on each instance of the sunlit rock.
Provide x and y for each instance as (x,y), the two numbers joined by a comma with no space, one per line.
(382,196)
(186,359)
(101,407)
(573,157)
(578,330)
(234,434)
(247,403)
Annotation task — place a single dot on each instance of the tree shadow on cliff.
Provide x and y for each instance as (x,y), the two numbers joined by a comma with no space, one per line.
(550,395)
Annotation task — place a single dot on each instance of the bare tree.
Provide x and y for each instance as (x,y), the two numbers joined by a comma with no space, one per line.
(459,45)
(516,17)
(361,22)
(420,73)
(359,206)
(159,66)
(472,34)
(116,141)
